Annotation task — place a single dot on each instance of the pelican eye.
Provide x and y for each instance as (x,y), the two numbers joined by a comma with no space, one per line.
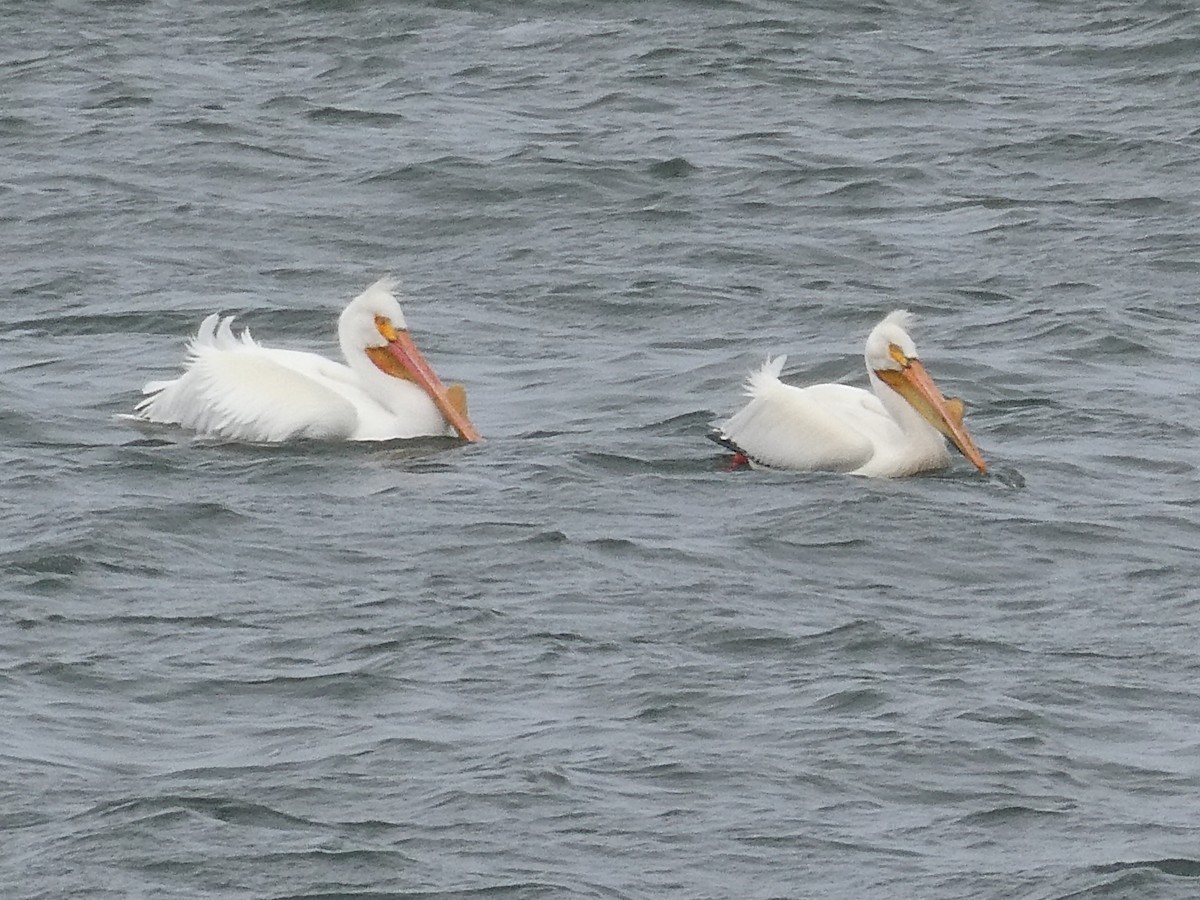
(898,355)
(384,326)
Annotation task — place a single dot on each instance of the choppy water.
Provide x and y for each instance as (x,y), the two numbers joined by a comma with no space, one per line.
(581,659)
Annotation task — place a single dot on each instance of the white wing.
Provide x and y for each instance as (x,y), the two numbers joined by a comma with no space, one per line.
(234,388)
(826,427)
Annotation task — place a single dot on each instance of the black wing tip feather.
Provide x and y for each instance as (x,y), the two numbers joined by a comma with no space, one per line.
(720,437)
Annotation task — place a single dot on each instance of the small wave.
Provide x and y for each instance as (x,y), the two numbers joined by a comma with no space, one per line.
(221,809)
(122,101)
(336,115)
(853,701)
(1182,867)
(1008,815)
(676,167)
(550,537)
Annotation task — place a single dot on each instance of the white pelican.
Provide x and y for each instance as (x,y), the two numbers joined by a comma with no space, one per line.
(235,388)
(895,431)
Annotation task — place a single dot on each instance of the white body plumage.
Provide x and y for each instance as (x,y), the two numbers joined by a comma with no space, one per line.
(895,429)
(233,387)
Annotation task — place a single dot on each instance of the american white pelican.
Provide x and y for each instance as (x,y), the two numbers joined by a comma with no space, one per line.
(235,388)
(897,430)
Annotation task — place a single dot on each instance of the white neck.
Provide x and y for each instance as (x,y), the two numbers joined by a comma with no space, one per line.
(391,393)
(918,432)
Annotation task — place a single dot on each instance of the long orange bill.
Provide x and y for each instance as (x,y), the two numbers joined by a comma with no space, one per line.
(914,385)
(407,354)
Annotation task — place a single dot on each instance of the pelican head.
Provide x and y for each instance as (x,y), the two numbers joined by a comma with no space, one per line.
(356,325)
(892,356)
(373,323)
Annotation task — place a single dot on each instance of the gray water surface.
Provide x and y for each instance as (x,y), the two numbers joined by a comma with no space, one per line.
(581,659)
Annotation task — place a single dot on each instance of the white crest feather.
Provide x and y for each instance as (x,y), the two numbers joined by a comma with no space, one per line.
(384,288)
(901,317)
